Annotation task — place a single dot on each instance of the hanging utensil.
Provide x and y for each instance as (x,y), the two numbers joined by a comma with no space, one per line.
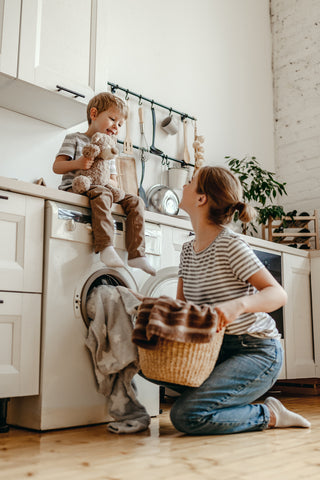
(186,154)
(163,199)
(127,144)
(143,140)
(141,190)
(144,149)
(153,149)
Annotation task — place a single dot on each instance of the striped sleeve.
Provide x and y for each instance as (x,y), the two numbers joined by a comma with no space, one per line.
(69,146)
(243,260)
(181,261)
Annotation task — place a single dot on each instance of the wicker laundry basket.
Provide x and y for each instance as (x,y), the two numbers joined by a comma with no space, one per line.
(187,364)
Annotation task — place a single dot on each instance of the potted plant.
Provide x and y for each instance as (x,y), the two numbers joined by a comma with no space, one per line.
(259,186)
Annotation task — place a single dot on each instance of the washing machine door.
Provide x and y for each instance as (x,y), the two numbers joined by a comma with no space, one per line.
(164,283)
(101,276)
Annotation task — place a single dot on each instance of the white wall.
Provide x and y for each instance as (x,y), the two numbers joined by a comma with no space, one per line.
(210,59)
(296,39)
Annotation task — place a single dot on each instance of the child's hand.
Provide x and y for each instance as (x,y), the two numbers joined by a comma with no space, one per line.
(227,312)
(84,163)
(112,182)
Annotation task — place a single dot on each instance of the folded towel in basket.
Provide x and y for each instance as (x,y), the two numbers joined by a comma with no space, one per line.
(174,320)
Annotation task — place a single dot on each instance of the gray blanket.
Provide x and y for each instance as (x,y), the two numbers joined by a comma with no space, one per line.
(115,357)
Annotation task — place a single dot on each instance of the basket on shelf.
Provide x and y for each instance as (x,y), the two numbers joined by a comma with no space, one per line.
(187,364)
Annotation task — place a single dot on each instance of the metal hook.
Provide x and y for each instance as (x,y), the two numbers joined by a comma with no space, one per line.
(170,112)
(127,95)
(113,89)
(140,100)
(152,101)
(163,162)
(183,117)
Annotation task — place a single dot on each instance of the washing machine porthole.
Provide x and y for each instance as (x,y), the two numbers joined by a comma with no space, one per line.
(104,276)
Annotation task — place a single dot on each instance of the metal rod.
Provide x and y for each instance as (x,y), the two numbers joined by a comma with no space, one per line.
(163,155)
(115,87)
(76,94)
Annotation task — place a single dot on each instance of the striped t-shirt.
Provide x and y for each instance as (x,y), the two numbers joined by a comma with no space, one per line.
(72,147)
(220,273)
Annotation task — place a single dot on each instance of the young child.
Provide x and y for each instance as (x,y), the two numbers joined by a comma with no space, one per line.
(106,114)
(217,267)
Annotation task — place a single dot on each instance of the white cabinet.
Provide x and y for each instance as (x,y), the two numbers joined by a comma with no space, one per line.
(21,242)
(58,43)
(20,316)
(315,289)
(9,36)
(21,257)
(298,328)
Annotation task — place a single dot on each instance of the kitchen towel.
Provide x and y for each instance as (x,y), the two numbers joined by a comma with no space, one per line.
(115,357)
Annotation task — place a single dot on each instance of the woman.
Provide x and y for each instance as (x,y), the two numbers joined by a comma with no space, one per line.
(218,267)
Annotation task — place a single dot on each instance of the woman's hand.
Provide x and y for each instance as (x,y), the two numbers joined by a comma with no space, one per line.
(228,311)
(269,297)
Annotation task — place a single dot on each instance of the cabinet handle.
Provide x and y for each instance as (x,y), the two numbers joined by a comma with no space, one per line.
(1,301)
(3,197)
(76,94)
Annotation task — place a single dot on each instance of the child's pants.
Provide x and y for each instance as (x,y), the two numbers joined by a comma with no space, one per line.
(101,200)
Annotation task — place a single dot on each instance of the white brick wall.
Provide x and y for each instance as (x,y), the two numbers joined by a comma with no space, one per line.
(296,67)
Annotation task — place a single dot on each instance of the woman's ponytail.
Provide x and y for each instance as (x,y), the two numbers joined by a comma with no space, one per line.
(246,212)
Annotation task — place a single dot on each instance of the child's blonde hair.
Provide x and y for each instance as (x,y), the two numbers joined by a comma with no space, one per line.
(224,193)
(103,101)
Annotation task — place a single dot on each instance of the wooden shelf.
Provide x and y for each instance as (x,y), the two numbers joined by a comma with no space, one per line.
(290,234)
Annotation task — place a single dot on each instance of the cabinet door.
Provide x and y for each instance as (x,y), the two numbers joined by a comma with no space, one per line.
(21,242)
(20,315)
(9,36)
(298,332)
(58,43)
(315,288)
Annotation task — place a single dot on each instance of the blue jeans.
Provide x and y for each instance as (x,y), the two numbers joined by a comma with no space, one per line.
(247,368)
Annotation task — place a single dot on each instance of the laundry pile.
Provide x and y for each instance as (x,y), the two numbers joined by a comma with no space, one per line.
(115,357)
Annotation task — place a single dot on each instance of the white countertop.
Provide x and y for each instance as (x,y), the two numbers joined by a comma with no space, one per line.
(47,193)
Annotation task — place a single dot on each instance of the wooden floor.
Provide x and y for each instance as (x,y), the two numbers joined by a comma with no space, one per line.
(163,453)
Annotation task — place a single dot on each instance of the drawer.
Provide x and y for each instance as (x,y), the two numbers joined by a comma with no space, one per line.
(20,317)
(21,242)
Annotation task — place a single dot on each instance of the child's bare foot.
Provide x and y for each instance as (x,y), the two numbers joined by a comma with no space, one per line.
(110,257)
(281,417)
(143,264)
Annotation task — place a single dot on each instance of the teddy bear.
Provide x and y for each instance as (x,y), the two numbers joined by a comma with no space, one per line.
(102,148)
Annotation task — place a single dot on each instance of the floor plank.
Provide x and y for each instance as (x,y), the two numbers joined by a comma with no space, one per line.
(162,453)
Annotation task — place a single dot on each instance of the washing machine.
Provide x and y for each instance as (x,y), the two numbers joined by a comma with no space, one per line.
(68,390)
(166,280)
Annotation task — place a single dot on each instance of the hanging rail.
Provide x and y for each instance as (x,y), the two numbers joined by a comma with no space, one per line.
(164,158)
(115,87)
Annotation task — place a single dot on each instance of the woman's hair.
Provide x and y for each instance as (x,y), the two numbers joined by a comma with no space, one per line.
(224,193)
(103,101)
